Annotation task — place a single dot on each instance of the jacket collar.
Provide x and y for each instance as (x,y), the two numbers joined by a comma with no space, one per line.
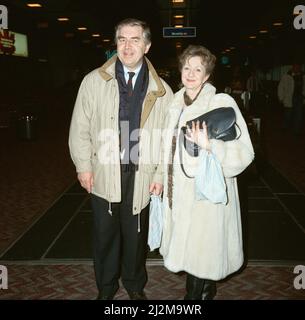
(199,106)
(206,93)
(107,72)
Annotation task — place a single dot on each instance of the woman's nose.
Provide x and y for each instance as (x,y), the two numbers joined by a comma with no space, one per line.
(191,73)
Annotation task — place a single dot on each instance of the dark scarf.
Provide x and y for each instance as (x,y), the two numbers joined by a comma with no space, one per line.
(187,100)
(130,110)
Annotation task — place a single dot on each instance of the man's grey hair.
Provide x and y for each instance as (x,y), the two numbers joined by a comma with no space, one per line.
(134,22)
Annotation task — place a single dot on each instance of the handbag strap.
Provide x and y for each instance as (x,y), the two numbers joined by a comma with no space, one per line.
(239,131)
(181,139)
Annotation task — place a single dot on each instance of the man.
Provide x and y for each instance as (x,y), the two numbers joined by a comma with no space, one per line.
(115,145)
(254,86)
(291,93)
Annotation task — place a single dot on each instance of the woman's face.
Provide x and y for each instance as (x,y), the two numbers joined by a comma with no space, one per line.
(193,74)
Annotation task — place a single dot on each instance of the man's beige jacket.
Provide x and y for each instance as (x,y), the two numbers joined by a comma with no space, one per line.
(94,134)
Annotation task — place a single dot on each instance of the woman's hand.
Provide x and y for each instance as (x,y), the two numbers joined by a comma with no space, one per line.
(199,136)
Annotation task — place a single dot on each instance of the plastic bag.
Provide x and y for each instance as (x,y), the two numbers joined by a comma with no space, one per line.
(155,222)
(209,180)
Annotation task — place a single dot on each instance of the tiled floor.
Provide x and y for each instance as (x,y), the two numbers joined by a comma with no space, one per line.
(45,219)
(76,281)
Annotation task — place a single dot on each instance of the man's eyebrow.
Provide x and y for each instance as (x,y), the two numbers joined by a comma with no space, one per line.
(122,37)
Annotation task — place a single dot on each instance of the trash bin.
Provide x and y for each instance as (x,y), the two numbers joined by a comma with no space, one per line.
(27,127)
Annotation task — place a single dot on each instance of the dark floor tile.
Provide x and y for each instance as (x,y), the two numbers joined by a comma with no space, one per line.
(259,193)
(296,205)
(87,206)
(154,254)
(76,188)
(276,181)
(255,183)
(76,241)
(273,236)
(37,239)
(262,204)
(250,180)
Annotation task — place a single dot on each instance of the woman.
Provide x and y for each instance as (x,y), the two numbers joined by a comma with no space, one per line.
(199,237)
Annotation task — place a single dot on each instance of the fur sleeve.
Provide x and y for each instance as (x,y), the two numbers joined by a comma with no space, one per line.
(236,155)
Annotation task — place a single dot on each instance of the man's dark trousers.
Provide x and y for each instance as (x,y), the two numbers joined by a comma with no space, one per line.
(118,248)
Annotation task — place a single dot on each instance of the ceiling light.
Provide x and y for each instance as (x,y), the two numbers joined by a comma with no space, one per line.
(177,1)
(278,24)
(42,25)
(179,26)
(252,37)
(263,31)
(63,19)
(82,28)
(106,40)
(34,5)
(179,16)
(96,35)
(69,35)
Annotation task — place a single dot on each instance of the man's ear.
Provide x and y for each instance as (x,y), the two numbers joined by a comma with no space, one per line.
(147,47)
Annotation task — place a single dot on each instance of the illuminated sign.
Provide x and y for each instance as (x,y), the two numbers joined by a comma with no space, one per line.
(186,32)
(224,60)
(13,44)
(110,53)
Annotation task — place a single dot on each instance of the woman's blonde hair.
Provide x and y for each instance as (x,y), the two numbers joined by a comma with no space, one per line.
(208,59)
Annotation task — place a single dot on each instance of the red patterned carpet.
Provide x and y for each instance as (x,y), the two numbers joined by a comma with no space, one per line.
(33,173)
(77,282)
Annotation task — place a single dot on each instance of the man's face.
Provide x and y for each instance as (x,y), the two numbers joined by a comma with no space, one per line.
(131,46)
(296,68)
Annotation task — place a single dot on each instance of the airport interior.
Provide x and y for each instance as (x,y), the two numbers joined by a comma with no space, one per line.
(46,49)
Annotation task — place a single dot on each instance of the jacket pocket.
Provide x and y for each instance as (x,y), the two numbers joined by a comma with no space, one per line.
(148,168)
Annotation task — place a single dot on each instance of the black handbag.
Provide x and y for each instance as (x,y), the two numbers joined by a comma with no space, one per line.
(221,124)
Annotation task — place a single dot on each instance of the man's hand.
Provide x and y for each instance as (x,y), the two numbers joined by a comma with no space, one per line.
(86,180)
(156,188)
